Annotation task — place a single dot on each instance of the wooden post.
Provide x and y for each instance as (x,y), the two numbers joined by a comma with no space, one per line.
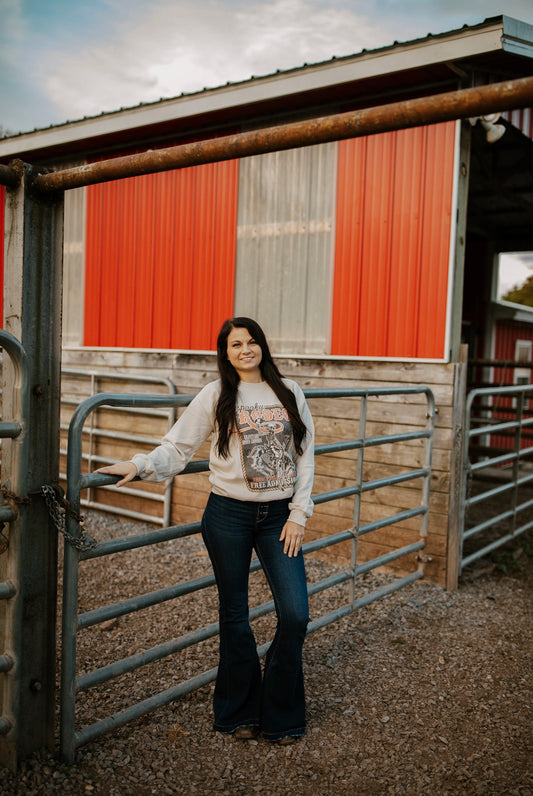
(456,471)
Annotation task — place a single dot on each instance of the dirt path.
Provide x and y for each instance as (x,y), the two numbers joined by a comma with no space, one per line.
(425,692)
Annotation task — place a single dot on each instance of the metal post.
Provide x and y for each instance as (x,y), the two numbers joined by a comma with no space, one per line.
(32,315)
(520,400)
(363,406)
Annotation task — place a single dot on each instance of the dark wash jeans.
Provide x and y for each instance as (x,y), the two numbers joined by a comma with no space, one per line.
(275,702)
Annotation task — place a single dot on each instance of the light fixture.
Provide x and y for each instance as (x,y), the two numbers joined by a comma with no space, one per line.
(493,131)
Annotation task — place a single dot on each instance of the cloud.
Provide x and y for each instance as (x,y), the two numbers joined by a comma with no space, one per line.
(166,48)
(65,59)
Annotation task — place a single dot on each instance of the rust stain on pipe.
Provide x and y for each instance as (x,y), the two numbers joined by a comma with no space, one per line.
(464,103)
(9,176)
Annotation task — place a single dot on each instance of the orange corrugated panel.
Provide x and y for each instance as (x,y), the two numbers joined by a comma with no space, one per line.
(93,256)
(394,203)
(435,251)
(2,223)
(146,270)
(126,262)
(160,265)
(164,257)
(182,277)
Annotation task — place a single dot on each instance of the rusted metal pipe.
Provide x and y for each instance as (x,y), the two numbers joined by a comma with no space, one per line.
(512,94)
(8,176)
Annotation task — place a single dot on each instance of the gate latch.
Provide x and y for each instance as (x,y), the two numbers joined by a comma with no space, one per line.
(58,508)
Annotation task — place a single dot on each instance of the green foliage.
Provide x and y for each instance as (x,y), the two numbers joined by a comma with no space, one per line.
(521,294)
(508,560)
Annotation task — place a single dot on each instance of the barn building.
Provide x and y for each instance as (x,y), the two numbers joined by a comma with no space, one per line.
(370,261)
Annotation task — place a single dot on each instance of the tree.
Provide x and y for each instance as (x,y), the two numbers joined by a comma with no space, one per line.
(521,294)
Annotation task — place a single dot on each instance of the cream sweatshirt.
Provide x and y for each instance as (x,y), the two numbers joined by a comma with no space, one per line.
(262,464)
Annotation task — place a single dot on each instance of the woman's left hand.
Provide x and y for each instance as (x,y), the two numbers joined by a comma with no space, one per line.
(293,536)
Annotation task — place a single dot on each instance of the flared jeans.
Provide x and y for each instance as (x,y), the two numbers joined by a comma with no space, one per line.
(275,700)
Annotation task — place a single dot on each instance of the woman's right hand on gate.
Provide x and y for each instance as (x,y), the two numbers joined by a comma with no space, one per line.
(127,470)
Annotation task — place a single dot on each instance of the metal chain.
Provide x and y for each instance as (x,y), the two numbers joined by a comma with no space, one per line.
(11,496)
(59,507)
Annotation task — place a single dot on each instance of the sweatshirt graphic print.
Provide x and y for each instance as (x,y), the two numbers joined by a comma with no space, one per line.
(265,440)
(262,465)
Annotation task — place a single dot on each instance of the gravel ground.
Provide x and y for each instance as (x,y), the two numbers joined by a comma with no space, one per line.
(424,692)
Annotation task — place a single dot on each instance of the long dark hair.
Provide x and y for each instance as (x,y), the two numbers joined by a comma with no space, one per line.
(225,411)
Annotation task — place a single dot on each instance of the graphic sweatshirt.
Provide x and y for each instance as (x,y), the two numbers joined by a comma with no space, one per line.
(262,464)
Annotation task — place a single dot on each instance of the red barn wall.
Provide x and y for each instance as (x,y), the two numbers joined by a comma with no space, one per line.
(394,215)
(160,258)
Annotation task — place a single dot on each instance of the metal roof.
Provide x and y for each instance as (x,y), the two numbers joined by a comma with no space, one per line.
(432,63)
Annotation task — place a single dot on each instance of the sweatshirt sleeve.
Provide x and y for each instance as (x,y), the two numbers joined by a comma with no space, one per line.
(178,447)
(301,505)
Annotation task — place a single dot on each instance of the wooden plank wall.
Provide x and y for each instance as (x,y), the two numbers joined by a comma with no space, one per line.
(335,419)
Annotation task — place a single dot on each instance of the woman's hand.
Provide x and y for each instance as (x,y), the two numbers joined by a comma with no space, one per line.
(125,469)
(293,536)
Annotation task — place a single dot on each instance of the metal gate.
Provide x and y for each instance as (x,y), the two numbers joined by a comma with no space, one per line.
(12,497)
(486,420)
(80,547)
(94,435)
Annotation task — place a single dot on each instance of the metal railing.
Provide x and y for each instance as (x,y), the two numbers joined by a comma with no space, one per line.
(9,589)
(94,435)
(484,419)
(74,553)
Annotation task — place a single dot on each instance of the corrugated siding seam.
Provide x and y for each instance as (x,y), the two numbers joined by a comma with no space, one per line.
(161,258)
(394,212)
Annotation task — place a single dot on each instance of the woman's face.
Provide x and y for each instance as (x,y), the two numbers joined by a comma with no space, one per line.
(244,354)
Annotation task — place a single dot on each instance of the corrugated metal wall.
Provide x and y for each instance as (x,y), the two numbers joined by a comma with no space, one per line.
(168,258)
(339,248)
(506,335)
(74,266)
(522,119)
(284,245)
(160,258)
(394,211)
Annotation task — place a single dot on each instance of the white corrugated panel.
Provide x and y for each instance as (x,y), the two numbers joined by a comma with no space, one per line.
(74,266)
(285,246)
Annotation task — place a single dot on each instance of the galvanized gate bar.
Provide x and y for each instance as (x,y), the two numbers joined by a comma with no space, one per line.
(95,433)
(487,426)
(443,107)
(160,651)
(71,684)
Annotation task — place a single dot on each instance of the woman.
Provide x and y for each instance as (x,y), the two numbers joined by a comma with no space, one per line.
(261,472)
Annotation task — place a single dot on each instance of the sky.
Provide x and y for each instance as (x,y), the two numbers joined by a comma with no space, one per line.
(514,270)
(61,60)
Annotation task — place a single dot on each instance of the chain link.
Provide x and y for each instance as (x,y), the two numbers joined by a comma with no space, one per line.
(10,496)
(59,507)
